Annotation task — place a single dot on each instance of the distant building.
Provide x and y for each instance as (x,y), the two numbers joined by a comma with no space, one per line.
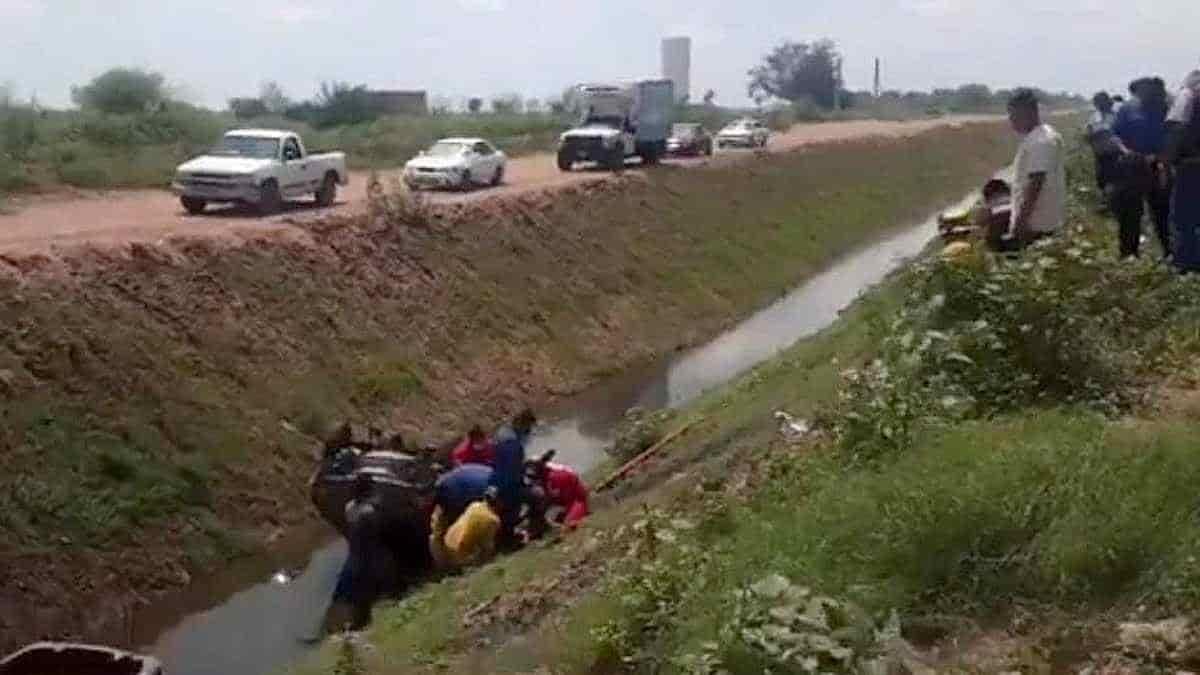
(392,102)
(677,65)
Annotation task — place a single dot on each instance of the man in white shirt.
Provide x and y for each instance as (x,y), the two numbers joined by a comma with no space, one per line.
(1040,179)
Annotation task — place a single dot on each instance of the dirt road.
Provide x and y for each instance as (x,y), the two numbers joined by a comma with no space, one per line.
(42,224)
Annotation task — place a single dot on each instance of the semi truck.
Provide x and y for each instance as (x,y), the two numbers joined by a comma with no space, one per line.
(617,122)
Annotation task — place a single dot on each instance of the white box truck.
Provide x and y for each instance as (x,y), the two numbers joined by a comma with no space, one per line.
(618,122)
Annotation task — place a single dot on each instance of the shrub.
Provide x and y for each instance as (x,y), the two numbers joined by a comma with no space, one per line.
(639,430)
(122,90)
(982,336)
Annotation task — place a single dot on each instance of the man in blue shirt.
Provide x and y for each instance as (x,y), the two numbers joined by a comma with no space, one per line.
(509,476)
(1140,178)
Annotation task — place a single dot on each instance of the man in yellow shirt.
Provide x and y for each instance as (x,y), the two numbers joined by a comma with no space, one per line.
(471,539)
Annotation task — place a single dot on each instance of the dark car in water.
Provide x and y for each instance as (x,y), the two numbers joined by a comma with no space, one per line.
(689,140)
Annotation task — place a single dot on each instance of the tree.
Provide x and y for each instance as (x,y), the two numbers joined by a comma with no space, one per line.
(710,97)
(533,105)
(122,90)
(973,97)
(339,103)
(797,70)
(475,104)
(507,104)
(272,97)
(246,108)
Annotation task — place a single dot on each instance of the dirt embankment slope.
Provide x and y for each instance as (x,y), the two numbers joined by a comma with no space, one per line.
(155,398)
(123,217)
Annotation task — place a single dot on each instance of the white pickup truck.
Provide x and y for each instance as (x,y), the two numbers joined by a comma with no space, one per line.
(260,167)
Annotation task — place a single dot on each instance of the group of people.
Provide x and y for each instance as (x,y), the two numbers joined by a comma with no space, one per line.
(492,487)
(1147,153)
(477,508)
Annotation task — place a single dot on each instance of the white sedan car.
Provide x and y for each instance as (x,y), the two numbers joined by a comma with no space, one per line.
(456,163)
(744,133)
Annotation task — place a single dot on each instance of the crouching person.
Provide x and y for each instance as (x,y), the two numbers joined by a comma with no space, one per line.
(466,518)
(471,540)
(555,486)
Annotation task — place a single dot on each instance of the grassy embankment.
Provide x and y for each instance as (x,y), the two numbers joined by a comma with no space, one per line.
(150,402)
(1004,444)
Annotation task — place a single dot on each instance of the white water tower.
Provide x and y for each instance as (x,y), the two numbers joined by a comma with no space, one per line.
(677,65)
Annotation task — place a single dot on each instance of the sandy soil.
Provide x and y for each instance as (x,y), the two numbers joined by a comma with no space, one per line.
(41,224)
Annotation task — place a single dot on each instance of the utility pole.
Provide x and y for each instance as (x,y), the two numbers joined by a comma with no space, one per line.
(878,88)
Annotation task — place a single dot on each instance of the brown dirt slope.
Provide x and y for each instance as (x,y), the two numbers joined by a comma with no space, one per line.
(155,399)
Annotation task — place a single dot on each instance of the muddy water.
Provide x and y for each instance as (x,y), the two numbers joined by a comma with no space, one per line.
(257,621)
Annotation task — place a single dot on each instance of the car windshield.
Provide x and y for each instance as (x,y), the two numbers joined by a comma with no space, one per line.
(445,149)
(684,130)
(254,147)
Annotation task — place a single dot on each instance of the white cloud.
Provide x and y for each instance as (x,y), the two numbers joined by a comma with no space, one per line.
(483,5)
(20,9)
(296,14)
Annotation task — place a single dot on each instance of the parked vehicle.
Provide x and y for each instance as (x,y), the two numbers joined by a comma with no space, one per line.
(689,140)
(260,167)
(619,122)
(52,658)
(744,133)
(460,163)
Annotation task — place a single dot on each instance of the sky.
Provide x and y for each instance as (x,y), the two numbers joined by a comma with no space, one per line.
(211,50)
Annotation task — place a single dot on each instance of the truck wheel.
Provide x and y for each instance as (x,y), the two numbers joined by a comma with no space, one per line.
(193,205)
(565,163)
(468,181)
(269,199)
(708,149)
(650,155)
(616,159)
(327,194)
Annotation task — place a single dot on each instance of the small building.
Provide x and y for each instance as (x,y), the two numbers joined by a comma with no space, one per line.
(398,102)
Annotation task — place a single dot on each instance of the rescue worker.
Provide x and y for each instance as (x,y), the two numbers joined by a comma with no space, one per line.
(452,494)
(471,540)
(476,448)
(367,567)
(559,486)
(1182,153)
(509,476)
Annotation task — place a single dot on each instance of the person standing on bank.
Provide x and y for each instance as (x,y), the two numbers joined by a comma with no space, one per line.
(1099,136)
(1182,152)
(1039,180)
(1141,177)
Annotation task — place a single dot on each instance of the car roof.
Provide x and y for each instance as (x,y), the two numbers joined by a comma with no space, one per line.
(261,133)
(463,140)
